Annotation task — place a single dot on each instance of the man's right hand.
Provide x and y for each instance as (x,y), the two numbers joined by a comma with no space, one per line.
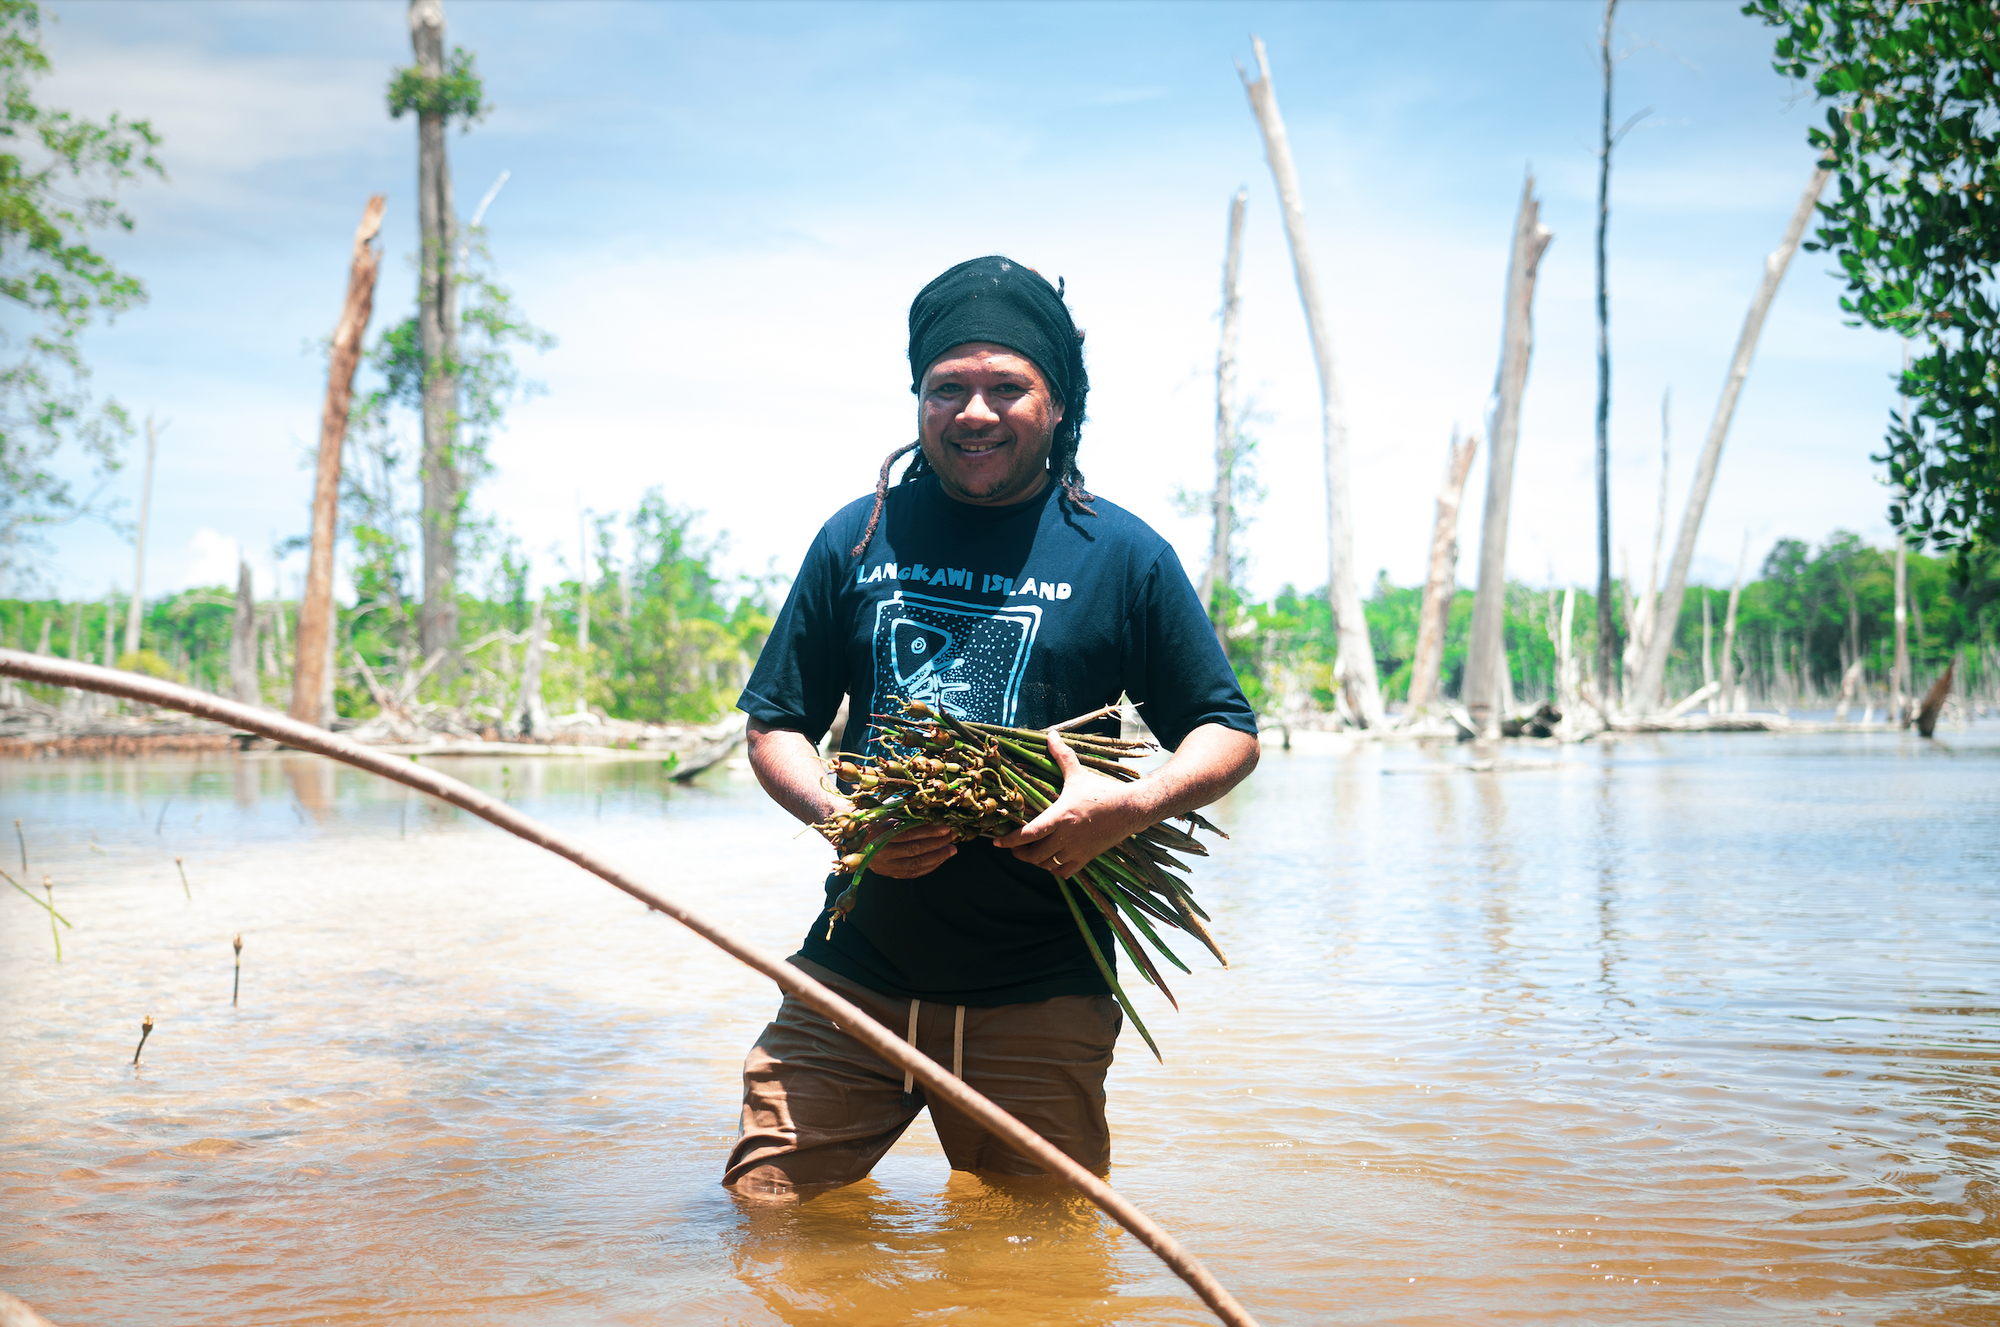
(914,852)
(789,767)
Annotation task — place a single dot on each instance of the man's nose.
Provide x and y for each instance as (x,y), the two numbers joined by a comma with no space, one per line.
(977,413)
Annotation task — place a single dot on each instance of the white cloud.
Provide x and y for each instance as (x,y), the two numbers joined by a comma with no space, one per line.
(209,559)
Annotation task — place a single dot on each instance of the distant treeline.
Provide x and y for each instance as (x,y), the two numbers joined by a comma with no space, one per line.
(672,640)
(1799,625)
(669,638)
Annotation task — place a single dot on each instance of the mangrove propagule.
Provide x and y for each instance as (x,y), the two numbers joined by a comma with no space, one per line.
(986,780)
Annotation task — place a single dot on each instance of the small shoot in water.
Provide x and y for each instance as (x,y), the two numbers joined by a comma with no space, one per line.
(29,895)
(184,879)
(24,844)
(50,889)
(237,988)
(145,1031)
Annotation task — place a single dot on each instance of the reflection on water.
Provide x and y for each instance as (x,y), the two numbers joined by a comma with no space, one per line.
(1696,1029)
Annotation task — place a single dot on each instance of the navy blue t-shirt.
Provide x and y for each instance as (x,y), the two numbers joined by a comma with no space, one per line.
(1024,615)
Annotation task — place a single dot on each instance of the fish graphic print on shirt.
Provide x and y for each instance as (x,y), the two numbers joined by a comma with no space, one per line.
(965,660)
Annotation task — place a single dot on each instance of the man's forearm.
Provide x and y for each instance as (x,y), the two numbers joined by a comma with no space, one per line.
(789,768)
(1209,762)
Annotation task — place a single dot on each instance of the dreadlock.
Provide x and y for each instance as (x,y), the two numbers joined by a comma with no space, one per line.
(1062,455)
(882,492)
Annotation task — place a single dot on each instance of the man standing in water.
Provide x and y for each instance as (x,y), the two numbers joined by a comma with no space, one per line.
(991,584)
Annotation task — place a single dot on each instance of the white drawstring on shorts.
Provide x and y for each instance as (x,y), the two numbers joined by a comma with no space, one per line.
(957,1044)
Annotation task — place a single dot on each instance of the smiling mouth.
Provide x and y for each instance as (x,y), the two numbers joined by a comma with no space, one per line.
(979,448)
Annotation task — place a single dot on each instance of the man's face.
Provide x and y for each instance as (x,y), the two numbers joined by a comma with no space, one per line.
(986,418)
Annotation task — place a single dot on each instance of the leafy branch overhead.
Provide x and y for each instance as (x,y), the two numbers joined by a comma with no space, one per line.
(59,180)
(454,94)
(1914,135)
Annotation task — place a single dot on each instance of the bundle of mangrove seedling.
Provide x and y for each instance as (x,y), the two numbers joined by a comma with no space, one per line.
(984,781)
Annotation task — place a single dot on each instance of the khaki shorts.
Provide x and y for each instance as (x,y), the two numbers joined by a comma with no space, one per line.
(820,1109)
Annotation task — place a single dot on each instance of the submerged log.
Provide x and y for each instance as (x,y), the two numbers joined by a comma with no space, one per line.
(1688,702)
(1542,723)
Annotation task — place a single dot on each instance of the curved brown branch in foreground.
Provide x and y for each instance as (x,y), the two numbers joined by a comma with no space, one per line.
(940,1085)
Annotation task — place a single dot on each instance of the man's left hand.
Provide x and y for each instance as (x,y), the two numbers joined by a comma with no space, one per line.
(1095,812)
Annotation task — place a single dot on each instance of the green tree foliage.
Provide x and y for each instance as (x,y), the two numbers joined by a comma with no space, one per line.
(1802,618)
(671,638)
(59,179)
(455,94)
(379,507)
(680,648)
(1914,134)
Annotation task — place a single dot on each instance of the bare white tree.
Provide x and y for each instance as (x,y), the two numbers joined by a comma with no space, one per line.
(1355,664)
(136,613)
(1485,652)
(1646,695)
(243,683)
(1441,584)
(1222,501)
(1732,695)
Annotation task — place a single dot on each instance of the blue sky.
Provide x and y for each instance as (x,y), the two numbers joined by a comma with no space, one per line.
(722,211)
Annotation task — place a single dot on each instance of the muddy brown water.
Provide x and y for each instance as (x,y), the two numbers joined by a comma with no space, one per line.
(1697,1029)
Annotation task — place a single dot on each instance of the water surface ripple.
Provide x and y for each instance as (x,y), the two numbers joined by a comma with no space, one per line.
(1697,1029)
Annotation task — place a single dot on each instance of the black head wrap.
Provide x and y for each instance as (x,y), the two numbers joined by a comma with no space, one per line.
(996,299)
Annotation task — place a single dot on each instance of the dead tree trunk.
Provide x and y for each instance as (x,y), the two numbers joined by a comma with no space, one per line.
(1517,340)
(1732,700)
(1707,638)
(1645,614)
(1567,681)
(1355,664)
(136,614)
(532,711)
(1899,675)
(243,683)
(1850,686)
(1899,672)
(1215,584)
(312,678)
(1933,706)
(582,613)
(437,623)
(1607,623)
(1653,672)
(1442,583)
